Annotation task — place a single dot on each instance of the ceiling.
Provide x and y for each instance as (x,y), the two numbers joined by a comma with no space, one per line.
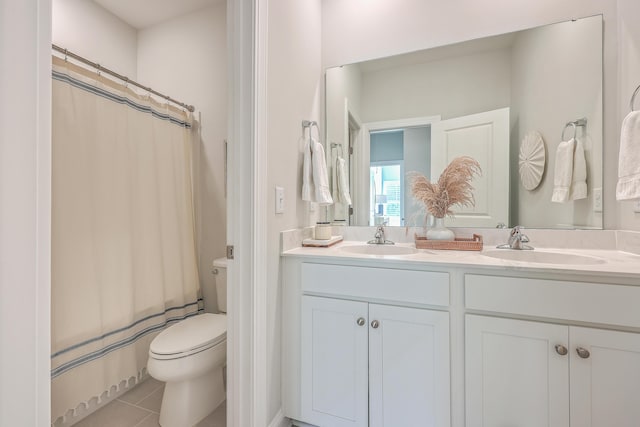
(145,13)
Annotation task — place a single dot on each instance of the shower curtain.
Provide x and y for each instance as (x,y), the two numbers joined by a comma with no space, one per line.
(123,246)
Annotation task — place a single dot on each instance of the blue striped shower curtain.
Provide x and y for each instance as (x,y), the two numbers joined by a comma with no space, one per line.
(123,245)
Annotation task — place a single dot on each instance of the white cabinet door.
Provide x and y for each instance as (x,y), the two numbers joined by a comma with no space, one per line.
(485,137)
(334,362)
(605,382)
(514,375)
(408,367)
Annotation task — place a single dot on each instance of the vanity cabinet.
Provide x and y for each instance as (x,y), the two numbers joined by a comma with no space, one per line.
(365,364)
(534,373)
(513,374)
(403,343)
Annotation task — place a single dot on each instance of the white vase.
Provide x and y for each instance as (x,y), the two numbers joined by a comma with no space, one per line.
(439,231)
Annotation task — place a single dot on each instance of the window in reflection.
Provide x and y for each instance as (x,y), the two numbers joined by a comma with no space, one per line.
(386,184)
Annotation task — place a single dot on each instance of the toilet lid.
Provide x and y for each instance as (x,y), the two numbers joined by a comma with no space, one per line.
(197,332)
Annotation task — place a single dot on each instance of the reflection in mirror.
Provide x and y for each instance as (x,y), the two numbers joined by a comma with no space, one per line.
(481,98)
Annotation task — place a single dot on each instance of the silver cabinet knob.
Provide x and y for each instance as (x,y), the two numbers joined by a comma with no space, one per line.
(360,321)
(375,324)
(583,352)
(561,350)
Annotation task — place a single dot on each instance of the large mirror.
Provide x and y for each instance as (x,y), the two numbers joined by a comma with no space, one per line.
(506,100)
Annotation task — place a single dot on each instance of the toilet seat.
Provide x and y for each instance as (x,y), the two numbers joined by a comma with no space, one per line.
(189,336)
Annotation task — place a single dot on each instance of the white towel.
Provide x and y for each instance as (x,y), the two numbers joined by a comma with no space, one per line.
(307,177)
(320,176)
(335,190)
(343,182)
(563,171)
(579,177)
(628,187)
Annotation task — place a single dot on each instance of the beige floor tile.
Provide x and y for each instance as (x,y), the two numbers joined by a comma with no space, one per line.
(153,401)
(153,420)
(141,391)
(217,418)
(115,414)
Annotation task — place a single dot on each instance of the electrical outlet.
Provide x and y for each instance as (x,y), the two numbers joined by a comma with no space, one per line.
(279,200)
(636,206)
(597,200)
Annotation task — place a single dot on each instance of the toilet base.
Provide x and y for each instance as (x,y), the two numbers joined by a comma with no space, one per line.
(185,403)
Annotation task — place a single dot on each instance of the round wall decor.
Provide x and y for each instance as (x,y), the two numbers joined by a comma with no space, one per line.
(532,160)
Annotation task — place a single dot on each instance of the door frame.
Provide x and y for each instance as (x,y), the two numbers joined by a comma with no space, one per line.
(246,219)
(362,159)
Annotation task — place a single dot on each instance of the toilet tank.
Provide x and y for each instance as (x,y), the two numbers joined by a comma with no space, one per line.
(220,273)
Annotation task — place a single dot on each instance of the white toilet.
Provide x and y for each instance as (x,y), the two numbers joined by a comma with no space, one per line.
(189,356)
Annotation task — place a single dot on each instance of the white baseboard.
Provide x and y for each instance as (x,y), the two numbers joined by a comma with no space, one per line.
(280,420)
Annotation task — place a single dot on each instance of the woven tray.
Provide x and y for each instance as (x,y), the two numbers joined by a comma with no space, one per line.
(459,244)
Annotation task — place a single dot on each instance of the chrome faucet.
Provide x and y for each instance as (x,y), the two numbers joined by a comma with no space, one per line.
(517,240)
(379,239)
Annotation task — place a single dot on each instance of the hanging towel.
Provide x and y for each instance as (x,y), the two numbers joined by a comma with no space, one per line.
(628,187)
(343,182)
(335,189)
(307,178)
(579,177)
(563,171)
(320,176)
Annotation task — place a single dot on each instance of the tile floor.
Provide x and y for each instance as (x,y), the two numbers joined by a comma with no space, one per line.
(140,407)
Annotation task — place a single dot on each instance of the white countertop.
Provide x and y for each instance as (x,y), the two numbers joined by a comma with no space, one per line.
(616,263)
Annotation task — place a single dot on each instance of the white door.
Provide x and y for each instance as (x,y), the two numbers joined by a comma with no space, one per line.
(605,378)
(408,367)
(485,137)
(514,376)
(334,362)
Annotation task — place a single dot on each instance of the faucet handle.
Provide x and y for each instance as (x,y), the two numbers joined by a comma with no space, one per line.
(517,230)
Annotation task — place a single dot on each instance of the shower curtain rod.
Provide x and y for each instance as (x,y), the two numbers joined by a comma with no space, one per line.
(125,79)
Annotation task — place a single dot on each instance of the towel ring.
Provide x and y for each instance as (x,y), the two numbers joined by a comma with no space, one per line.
(575,130)
(575,124)
(633,98)
(308,124)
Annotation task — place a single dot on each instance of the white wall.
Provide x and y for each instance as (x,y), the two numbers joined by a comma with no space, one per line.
(544,100)
(417,158)
(294,80)
(87,29)
(25,212)
(450,87)
(186,58)
(350,33)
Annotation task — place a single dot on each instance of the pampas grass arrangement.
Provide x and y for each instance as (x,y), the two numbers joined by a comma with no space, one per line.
(453,187)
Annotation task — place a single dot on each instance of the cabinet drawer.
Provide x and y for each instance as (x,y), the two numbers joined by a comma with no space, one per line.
(578,301)
(408,286)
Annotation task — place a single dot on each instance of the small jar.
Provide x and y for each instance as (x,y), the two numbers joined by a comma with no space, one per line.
(323,231)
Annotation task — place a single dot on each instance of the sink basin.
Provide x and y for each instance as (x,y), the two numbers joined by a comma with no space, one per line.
(543,257)
(379,249)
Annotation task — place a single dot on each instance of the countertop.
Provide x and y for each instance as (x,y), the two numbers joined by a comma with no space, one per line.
(614,263)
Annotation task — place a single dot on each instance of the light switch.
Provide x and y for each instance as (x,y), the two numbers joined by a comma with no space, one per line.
(636,206)
(279,200)
(597,200)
